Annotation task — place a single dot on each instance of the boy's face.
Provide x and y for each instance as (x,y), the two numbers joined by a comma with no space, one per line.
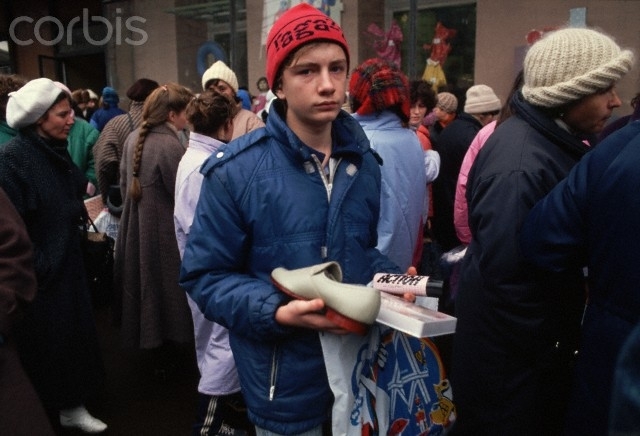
(314,85)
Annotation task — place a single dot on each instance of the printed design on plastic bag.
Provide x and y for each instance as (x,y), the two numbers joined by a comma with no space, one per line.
(404,378)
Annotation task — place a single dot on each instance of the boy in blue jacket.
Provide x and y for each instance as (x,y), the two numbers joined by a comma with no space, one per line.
(301,191)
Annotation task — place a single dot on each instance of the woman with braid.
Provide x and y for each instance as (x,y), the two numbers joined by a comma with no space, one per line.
(154,311)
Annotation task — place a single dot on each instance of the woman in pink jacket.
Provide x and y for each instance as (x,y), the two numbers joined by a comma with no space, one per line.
(460,209)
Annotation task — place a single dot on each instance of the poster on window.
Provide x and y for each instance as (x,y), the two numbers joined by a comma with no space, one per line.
(273,9)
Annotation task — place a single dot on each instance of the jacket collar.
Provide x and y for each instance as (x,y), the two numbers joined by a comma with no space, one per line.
(544,124)
(349,140)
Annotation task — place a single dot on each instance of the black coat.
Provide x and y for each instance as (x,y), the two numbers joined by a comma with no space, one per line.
(452,145)
(57,339)
(517,326)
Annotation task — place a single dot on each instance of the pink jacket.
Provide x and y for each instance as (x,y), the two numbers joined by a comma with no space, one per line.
(460,209)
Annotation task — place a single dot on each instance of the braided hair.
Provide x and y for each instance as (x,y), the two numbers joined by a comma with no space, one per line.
(156,109)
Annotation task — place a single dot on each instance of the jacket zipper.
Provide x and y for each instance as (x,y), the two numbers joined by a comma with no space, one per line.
(328,181)
(274,371)
(328,184)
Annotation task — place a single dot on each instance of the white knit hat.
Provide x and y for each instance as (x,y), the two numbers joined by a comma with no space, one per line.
(481,99)
(569,64)
(219,70)
(32,101)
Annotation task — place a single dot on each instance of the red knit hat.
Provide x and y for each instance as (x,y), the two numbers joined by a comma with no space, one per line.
(377,85)
(299,25)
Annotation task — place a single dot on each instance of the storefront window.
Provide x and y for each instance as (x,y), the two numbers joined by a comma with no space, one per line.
(212,30)
(447,36)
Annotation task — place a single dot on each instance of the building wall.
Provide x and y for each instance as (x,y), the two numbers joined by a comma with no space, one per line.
(502,26)
(26,56)
(256,53)
(157,58)
(170,50)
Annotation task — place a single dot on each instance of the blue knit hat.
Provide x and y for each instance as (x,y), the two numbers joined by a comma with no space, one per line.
(110,96)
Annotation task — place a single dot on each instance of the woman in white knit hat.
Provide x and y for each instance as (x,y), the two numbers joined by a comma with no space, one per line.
(518,327)
(219,77)
(57,339)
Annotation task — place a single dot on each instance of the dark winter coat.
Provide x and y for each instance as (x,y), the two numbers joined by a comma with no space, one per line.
(591,218)
(517,326)
(264,205)
(21,411)
(57,338)
(452,145)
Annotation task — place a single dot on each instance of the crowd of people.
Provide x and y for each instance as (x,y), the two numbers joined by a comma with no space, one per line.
(330,162)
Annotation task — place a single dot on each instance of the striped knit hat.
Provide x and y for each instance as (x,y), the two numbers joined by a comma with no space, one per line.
(447,102)
(569,64)
(377,85)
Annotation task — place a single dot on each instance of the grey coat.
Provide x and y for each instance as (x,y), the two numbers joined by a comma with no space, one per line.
(154,308)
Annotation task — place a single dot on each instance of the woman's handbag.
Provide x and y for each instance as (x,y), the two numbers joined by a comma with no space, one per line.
(97,251)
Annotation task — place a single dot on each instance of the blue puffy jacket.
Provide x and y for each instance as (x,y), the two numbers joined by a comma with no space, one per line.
(404,184)
(591,218)
(264,205)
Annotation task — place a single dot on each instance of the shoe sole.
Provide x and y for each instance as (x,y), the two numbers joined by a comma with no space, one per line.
(332,315)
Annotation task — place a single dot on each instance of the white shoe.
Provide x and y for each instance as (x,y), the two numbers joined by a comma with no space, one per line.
(80,418)
(353,307)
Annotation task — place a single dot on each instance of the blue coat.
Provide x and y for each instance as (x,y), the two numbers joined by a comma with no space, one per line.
(591,218)
(101,117)
(263,205)
(404,185)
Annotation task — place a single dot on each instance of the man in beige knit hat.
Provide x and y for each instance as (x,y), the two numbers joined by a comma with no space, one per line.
(518,327)
(482,103)
(481,106)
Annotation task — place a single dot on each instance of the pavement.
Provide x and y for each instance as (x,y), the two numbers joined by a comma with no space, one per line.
(139,399)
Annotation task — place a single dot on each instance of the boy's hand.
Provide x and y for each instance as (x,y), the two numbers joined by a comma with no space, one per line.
(307,314)
(412,271)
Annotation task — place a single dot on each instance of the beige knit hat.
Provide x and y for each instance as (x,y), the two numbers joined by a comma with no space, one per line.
(32,101)
(569,64)
(219,70)
(481,99)
(447,102)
